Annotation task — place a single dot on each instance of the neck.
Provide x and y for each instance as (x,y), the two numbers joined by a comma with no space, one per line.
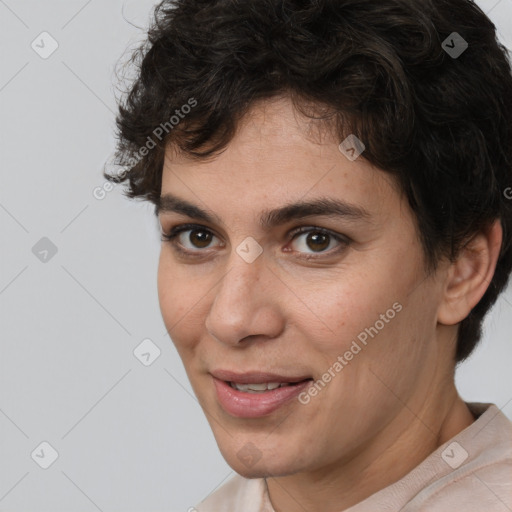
(401,446)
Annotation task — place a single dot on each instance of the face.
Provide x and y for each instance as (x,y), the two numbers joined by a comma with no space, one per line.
(336,300)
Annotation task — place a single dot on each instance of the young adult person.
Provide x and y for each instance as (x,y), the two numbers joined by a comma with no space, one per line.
(332,181)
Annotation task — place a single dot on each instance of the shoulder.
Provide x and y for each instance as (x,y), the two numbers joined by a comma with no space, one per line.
(470,472)
(481,473)
(486,488)
(238,493)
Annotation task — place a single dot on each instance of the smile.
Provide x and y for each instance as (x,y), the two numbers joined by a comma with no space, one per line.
(253,399)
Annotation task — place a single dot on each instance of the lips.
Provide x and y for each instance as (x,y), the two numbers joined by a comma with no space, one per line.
(247,404)
(256,377)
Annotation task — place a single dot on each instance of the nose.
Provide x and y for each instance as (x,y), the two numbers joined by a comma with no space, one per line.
(246,303)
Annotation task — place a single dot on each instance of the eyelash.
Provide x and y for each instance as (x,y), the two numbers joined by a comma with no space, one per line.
(171,236)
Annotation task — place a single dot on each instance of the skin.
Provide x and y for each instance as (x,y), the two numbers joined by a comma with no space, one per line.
(395,402)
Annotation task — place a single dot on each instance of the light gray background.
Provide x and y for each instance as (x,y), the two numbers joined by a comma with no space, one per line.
(129,437)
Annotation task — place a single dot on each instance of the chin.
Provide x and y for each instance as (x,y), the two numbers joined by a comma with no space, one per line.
(261,470)
(250,473)
(274,464)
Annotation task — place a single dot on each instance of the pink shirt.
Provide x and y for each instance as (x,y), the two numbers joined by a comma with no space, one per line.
(470,473)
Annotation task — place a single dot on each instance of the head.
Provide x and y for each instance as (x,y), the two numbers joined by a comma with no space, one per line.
(243,118)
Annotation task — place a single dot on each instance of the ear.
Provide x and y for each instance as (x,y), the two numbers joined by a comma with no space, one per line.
(469,276)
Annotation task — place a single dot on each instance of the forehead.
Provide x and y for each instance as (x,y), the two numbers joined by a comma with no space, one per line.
(275,157)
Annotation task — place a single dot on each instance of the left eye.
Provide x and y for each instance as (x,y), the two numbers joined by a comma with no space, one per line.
(317,240)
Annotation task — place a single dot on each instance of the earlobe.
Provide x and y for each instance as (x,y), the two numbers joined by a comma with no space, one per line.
(470,275)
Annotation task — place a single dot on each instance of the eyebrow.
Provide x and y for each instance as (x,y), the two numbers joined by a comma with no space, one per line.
(322,206)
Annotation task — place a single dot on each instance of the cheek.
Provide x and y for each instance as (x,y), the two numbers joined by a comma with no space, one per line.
(385,341)
(179,303)
(346,308)
(372,322)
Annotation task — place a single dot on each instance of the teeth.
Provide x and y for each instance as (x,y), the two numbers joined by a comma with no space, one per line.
(258,388)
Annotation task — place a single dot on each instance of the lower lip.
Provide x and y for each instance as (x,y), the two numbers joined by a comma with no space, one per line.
(253,405)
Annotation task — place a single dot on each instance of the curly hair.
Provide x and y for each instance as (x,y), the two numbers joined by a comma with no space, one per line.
(440,124)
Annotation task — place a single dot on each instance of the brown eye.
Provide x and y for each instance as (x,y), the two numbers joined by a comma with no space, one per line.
(311,241)
(189,238)
(317,241)
(199,238)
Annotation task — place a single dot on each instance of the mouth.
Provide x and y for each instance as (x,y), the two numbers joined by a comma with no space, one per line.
(258,377)
(261,388)
(256,394)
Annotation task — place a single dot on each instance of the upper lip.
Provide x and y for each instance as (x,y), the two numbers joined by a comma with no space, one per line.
(255,377)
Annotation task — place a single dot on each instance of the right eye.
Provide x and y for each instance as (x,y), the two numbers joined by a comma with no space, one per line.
(189,238)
